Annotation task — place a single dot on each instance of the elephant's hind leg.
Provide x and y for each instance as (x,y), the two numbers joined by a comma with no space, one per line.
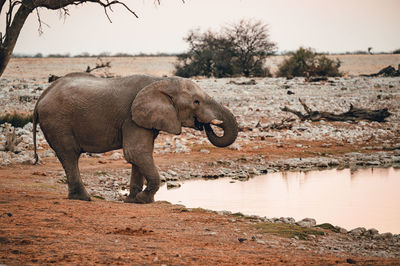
(68,153)
(136,184)
(76,189)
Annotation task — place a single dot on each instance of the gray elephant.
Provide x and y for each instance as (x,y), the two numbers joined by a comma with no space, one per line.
(83,113)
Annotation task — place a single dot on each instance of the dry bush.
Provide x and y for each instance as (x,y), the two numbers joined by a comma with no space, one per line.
(16,119)
(306,63)
(239,49)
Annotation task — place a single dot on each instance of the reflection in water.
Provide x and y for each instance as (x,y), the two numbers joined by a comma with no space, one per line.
(366,197)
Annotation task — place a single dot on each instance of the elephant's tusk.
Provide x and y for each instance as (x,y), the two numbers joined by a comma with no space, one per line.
(216,122)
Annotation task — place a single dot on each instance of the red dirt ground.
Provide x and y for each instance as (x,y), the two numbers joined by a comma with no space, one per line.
(40,226)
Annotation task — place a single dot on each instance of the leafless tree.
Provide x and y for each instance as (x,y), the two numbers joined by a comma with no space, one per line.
(17,11)
(252,43)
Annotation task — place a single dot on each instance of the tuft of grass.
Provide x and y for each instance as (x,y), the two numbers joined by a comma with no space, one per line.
(328,226)
(100,173)
(287,230)
(201,210)
(238,214)
(16,119)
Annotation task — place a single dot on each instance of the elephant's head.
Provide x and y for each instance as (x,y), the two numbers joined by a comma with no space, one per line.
(169,104)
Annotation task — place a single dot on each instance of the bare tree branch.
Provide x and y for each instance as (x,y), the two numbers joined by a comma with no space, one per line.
(17,12)
(40,29)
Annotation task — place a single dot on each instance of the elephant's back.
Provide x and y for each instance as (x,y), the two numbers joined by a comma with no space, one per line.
(84,90)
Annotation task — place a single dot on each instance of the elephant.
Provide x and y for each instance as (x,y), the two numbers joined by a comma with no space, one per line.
(83,113)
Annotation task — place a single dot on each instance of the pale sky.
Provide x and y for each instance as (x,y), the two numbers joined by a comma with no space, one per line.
(325,25)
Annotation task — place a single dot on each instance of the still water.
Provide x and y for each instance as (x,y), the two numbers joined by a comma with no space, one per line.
(367,197)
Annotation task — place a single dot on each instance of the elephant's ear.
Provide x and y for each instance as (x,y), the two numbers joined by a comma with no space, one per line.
(153,108)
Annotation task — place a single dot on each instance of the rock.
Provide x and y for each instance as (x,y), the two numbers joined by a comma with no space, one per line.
(287,220)
(172,184)
(357,231)
(385,236)
(116,156)
(224,212)
(205,151)
(235,146)
(307,222)
(168,177)
(373,232)
(341,230)
(171,172)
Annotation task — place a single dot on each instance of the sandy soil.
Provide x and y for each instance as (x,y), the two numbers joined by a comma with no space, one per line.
(40,226)
(159,66)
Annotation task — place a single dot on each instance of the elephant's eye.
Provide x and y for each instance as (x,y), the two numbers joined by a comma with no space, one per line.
(196,102)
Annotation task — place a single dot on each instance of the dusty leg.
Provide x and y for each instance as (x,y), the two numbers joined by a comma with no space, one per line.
(76,190)
(136,184)
(138,145)
(149,170)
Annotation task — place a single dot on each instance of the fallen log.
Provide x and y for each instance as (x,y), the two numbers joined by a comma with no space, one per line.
(353,114)
(388,71)
(249,82)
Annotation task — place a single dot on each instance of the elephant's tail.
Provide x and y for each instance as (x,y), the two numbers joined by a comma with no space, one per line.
(35,121)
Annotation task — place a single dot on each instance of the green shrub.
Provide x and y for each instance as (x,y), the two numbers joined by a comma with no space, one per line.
(16,119)
(306,63)
(397,51)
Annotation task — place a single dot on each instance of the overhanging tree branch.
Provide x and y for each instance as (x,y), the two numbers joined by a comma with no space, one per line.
(17,11)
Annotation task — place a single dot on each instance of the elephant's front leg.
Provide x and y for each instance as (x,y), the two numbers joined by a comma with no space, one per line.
(149,170)
(136,184)
(138,146)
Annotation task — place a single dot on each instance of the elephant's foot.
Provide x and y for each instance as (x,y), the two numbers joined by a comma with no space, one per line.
(79,194)
(144,197)
(132,195)
(129,199)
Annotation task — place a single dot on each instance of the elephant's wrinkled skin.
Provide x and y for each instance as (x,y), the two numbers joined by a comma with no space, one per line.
(82,113)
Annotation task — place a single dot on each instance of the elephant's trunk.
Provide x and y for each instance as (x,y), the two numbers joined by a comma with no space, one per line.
(229,126)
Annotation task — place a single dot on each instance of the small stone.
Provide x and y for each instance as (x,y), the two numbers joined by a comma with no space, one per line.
(205,151)
(235,146)
(115,156)
(171,172)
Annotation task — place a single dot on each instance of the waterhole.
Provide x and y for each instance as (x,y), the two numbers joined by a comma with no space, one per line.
(367,197)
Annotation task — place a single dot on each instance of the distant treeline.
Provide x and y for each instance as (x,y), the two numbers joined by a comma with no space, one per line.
(397,51)
(107,54)
(103,54)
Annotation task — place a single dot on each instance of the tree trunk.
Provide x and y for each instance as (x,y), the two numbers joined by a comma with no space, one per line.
(11,36)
